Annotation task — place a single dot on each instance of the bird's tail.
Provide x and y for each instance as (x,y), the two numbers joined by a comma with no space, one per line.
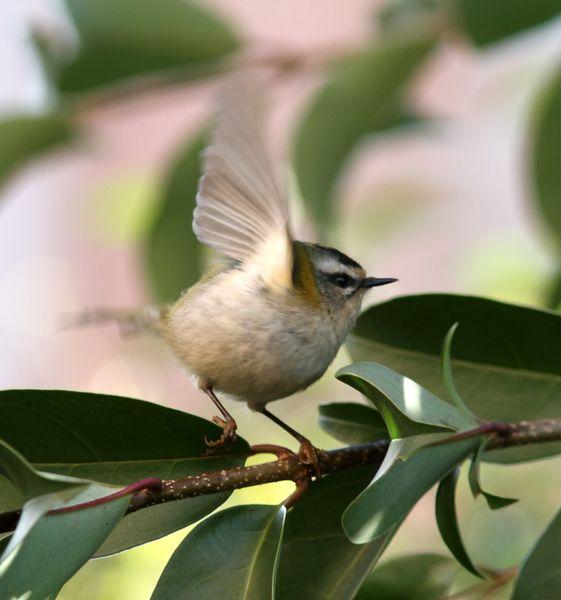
(147,319)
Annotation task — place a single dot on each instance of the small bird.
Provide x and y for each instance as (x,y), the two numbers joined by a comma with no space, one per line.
(270,321)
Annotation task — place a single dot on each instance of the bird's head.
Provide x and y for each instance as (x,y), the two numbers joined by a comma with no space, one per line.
(328,276)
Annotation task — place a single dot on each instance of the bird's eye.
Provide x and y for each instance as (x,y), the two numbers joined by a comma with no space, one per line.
(341,280)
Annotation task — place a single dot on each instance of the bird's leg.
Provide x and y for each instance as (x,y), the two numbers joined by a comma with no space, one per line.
(308,453)
(227,423)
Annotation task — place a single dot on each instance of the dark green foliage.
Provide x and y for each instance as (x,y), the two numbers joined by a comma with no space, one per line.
(115,440)
(125,39)
(490,21)
(545,135)
(173,254)
(352,423)
(390,497)
(316,554)
(233,554)
(25,137)
(447,520)
(515,350)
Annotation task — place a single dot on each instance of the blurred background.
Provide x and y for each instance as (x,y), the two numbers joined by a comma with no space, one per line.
(447,205)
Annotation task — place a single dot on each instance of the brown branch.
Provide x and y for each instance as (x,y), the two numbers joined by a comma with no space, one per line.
(289,467)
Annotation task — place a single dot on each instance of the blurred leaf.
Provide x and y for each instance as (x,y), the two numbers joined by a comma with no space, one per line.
(115,440)
(507,358)
(447,375)
(553,293)
(487,22)
(25,137)
(403,404)
(494,502)
(546,141)
(173,253)
(58,545)
(390,498)
(447,520)
(352,423)
(540,574)
(317,560)
(364,95)
(231,554)
(411,577)
(125,39)
(408,13)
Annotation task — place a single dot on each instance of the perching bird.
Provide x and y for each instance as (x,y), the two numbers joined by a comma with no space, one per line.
(271,321)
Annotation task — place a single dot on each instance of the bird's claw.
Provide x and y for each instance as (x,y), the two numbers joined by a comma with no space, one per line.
(310,455)
(228,436)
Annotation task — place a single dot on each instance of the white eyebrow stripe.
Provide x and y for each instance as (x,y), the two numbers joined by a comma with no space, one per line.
(330,266)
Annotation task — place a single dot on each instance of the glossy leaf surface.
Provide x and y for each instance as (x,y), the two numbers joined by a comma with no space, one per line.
(506,360)
(447,520)
(317,559)
(118,441)
(389,498)
(233,553)
(405,406)
(352,423)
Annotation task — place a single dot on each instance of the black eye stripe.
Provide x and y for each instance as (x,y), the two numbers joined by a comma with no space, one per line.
(342,280)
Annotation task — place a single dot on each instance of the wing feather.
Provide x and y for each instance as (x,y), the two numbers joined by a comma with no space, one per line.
(242,210)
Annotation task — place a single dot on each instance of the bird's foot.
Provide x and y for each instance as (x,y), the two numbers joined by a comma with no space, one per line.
(310,455)
(228,436)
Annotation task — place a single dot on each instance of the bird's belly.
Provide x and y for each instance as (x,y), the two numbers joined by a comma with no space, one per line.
(256,350)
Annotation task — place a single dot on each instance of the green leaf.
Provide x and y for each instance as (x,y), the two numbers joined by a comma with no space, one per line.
(411,577)
(40,491)
(507,358)
(487,22)
(545,139)
(121,40)
(447,375)
(234,553)
(173,253)
(352,423)
(447,520)
(317,559)
(118,441)
(540,574)
(57,545)
(29,482)
(403,403)
(494,502)
(364,95)
(25,137)
(390,498)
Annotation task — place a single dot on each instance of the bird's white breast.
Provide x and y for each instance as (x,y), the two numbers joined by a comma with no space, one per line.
(258,345)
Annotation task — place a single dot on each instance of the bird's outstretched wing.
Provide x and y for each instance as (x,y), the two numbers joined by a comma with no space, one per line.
(242,210)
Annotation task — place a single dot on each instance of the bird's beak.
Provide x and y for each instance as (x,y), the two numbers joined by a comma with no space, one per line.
(370,282)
